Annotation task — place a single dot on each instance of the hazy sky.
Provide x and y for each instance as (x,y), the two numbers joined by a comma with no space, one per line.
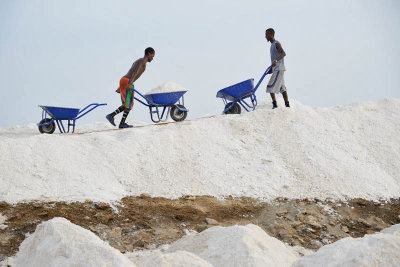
(72,53)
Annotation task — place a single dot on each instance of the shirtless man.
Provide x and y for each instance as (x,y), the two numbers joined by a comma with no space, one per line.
(126,87)
(276,83)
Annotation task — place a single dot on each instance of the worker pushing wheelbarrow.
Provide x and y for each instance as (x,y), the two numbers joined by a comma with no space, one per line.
(160,104)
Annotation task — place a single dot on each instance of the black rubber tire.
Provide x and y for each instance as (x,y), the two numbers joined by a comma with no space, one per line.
(48,129)
(236,109)
(176,114)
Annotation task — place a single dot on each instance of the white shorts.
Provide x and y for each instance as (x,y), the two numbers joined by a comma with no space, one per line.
(276,84)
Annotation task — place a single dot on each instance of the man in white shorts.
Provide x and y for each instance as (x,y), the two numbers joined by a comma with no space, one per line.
(276,84)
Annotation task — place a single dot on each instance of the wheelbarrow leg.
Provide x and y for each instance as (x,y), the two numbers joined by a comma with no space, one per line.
(71,124)
(163,112)
(152,112)
(61,128)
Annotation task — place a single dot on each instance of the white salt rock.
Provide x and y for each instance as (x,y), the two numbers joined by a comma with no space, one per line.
(380,249)
(392,229)
(167,87)
(236,246)
(159,259)
(58,242)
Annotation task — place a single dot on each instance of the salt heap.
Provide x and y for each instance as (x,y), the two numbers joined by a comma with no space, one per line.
(167,87)
(236,246)
(59,242)
(381,249)
(301,152)
(159,259)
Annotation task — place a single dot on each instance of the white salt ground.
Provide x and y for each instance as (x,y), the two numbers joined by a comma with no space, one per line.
(301,152)
(58,242)
(380,249)
(167,87)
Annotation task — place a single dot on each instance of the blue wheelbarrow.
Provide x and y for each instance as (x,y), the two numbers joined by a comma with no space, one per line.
(57,115)
(237,94)
(163,104)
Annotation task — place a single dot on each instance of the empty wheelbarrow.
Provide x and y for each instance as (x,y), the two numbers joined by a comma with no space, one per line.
(58,114)
(234,96)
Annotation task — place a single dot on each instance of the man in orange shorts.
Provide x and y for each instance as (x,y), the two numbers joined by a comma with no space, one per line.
(126,87)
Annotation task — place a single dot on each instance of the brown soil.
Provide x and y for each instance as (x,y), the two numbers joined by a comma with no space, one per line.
(145,222)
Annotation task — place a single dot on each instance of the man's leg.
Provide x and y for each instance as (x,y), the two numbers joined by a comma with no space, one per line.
(122,124)
(274,104)
(118,110)
(110,117)
(286,98)
(284,92)
(128,106)
(271,87)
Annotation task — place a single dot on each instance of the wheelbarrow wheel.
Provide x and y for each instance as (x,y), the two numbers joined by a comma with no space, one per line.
(234,110)
(176,114)
(48,129)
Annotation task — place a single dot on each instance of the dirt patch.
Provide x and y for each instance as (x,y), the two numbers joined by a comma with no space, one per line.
(145,222)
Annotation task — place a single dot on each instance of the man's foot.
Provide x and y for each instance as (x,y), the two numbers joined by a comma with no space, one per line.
(125,125)
(110,119)
(287,104)
(274,105)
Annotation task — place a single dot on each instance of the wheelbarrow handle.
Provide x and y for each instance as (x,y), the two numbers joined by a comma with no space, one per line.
(262,78)
(95,105)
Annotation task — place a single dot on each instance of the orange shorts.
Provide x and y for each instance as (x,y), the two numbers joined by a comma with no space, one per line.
(126,95)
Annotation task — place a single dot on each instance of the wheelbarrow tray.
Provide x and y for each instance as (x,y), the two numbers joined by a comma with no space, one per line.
(165,99)
(242,90)
(60,113)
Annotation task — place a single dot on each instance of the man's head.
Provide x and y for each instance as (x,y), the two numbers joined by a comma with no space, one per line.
(149,53)
(269,34)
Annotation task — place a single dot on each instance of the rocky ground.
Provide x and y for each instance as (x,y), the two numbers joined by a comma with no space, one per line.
(145,222)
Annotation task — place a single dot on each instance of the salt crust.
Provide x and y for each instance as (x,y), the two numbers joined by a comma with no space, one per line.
(58,242)
(301,152)
(380,249)
(167,87)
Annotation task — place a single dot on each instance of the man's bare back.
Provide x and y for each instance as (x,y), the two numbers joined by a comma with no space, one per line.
(137,69)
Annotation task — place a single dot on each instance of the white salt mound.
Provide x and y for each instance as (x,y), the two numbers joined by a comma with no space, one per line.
(58,242)
(301,152)
(176,259)
(380,249)
(167,87)
(236,246)
(392,229)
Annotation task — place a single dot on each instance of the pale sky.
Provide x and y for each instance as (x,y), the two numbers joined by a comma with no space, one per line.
(73,53)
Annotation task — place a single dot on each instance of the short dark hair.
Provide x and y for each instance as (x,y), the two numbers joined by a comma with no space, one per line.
(270,30)
(149,50)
